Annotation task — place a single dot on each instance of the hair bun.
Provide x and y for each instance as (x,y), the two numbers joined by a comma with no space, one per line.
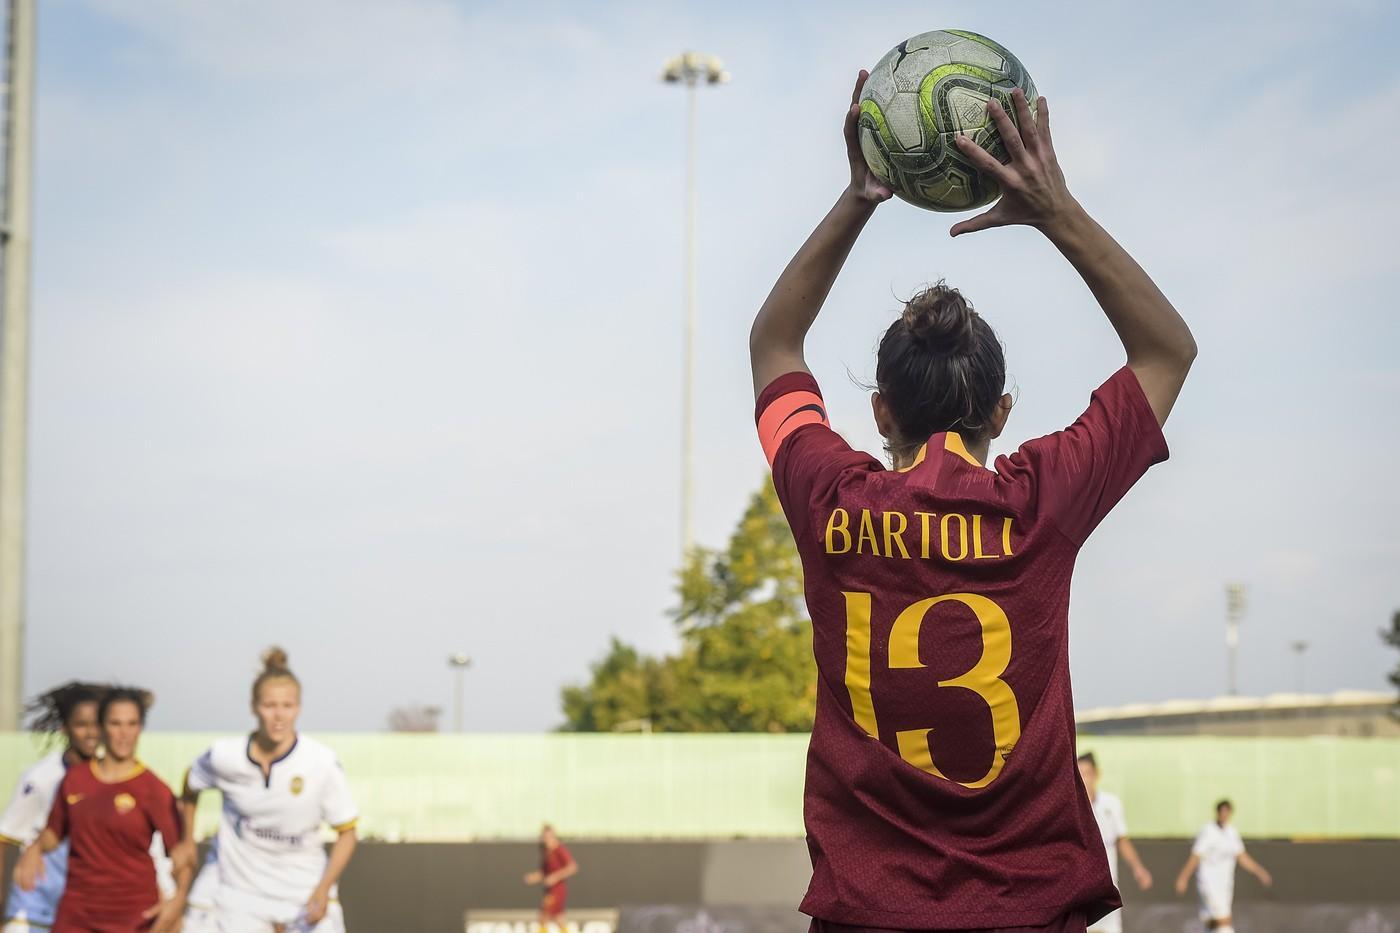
(940,320)
(275,659)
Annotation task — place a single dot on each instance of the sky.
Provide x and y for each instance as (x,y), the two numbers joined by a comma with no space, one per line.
(357,330)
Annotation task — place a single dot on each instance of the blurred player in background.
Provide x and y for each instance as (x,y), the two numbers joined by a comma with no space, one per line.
(557,866)
(1217,848)
(267,869)
(929,807)
(1113,827)
(109,810)
(70,710)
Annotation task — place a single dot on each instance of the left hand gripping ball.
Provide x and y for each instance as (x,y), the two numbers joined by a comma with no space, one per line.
(922,94)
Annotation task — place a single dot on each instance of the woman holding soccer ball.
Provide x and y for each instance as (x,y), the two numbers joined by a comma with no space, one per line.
(942,791)
(267,871)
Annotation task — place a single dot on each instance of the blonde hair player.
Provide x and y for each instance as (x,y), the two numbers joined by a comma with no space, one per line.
(267,871)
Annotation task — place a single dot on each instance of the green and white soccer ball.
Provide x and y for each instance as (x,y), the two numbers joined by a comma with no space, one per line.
(921,95)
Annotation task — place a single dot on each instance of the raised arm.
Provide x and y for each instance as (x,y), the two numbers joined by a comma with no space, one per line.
(1159,345)
(780,329)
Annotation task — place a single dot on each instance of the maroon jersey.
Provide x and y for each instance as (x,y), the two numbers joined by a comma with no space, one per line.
(109,828)
(556,894)
(942,791)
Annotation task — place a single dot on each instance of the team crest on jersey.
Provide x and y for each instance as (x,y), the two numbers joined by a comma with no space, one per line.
(297,785)
(74,798)
(124,803)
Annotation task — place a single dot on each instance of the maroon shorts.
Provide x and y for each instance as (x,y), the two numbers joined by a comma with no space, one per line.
(77,918)
(1072,923)
(552,906)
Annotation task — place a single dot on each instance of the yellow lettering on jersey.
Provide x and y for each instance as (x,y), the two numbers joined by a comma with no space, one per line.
(962,536)
(858,662)
(1006,536)
(977,552)
(867,533)
(984,679)
(843,529)
(894,535)
(925,536)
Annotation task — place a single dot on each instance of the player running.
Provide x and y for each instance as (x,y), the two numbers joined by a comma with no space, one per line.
(72,711)
(268,870)
(557,865)
(941,786)
(109,809)
(1217,848)
(1113,829)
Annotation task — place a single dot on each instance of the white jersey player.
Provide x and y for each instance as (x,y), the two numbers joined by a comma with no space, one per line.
(1113,826)
(268,869)
(1218,847)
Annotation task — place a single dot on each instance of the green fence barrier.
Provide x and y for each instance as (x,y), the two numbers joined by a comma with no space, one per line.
(441,787)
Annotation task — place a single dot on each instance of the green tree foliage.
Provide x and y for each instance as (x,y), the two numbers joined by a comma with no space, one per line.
(745,659)
(1391,636)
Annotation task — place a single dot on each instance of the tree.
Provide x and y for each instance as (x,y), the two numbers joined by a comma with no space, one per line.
(1392,638)
(745,661)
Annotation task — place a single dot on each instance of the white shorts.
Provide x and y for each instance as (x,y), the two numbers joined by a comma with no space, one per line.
(18,924)
(222,920)
(1109,923)
(1217,903)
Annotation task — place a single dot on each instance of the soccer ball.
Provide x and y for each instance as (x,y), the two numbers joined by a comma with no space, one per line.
(921,95)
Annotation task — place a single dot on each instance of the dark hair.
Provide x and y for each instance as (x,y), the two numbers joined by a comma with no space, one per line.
(275,666)
(142,698)
(1224,803)
(51,711)
(939,368)
(1088,759)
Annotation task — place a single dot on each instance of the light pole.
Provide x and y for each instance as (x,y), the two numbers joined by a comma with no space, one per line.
(1299,648)
(1234,611)
(690,69)
(459,662)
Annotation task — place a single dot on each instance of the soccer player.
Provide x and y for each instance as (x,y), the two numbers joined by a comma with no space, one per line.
(941,786)
(72,711)
(1113,828)
(268,871)
(557,866)
(109,811)
(1217,848)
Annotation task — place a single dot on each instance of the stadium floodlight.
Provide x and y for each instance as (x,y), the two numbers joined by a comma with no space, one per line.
(1299,647)
(14,348)
(458,661)
(1234,611)
(690,69)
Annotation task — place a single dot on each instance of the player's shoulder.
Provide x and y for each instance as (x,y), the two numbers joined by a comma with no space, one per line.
(311,752)
(228,753)
(1109,801)
(47,771)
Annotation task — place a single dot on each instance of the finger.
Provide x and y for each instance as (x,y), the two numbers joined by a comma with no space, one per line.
(983,221)
(150,912)
(1024,121)
(1009,136)
(860,83)
(984,161)
(1042,118)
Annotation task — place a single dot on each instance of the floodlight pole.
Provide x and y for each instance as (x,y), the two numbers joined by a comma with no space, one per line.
(689,68)
(14,351)
(459,662)
(1234,611)
(1299,648)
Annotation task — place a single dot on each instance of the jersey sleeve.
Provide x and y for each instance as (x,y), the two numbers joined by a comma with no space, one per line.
(24,816)
(201,774)
(337,805)
(58,814)
(1202,843)
(805,453)
(1079,474)
(164,812)
(1120,821)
